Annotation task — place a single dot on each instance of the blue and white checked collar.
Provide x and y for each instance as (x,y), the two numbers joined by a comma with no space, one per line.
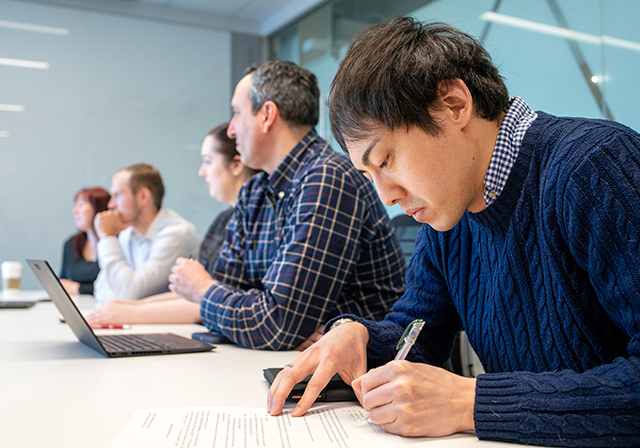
(512,129)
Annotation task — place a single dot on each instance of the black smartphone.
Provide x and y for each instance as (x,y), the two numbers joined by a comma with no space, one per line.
(336,390)
(211,337)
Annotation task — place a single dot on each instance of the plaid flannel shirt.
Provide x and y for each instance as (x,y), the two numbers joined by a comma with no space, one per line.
(306,243)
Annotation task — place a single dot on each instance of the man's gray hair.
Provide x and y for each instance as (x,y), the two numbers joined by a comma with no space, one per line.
(292,88)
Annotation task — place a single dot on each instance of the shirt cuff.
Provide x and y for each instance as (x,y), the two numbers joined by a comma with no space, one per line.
(214,296)
(497,414)
(218,292)
(108,247)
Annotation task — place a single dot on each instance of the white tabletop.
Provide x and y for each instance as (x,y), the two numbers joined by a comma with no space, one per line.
(57,392)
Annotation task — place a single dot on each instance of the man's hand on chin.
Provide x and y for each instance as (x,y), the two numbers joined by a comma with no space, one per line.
(109,223)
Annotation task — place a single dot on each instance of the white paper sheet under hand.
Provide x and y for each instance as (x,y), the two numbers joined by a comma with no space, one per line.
(342,426)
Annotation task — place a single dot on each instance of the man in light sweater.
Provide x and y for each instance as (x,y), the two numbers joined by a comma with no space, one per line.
(530,243)
(139,240)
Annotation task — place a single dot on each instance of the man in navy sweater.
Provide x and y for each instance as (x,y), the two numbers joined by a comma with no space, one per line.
(530,243)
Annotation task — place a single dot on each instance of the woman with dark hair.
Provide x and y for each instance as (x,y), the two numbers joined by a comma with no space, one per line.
(79,257)
(224,174)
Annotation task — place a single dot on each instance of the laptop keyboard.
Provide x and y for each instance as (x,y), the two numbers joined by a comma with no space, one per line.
(124,342)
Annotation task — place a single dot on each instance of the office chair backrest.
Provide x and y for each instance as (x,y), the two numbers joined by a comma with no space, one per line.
(407,230)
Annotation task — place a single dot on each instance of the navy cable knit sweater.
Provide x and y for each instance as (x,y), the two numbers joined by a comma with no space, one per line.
(546,282)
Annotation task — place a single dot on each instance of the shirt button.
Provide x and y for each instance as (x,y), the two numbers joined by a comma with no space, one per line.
(492,194)
(281,194)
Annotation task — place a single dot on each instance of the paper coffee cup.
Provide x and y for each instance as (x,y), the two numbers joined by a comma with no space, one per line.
(11,275)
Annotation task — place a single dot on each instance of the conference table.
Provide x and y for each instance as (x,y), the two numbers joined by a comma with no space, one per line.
(57,392)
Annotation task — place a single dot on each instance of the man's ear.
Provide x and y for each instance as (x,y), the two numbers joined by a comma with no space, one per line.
(144,196)
(270,113)
(456,101)
(236,166)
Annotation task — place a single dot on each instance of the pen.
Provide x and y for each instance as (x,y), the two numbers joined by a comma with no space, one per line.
(111,327)
(408,338)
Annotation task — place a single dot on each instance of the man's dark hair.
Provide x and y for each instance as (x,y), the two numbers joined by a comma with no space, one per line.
(143,175)
(292,88)
(393,74)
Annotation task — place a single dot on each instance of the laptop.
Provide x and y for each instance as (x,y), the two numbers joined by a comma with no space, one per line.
(111,346)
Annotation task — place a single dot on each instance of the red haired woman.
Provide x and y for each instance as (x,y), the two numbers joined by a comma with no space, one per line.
(79,259)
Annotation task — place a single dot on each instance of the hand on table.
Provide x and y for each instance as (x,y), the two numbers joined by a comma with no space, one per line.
(411,399)
(109,223)
(315,337)
(342,350)
(114,312)
(73,288)
(189,279)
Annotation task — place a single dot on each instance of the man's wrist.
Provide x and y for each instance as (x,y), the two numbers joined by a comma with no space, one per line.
(360,329)
(468,421)
(204,289)
(138,314)
(101,235)
(341,321)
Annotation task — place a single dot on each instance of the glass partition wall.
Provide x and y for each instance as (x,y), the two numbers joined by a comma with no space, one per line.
(566,57)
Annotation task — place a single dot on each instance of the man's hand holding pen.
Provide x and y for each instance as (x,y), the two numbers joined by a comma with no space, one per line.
(413,399)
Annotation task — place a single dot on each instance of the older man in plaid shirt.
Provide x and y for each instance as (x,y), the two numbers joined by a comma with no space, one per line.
(309,239)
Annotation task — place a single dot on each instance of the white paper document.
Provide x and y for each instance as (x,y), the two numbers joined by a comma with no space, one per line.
(342,426)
